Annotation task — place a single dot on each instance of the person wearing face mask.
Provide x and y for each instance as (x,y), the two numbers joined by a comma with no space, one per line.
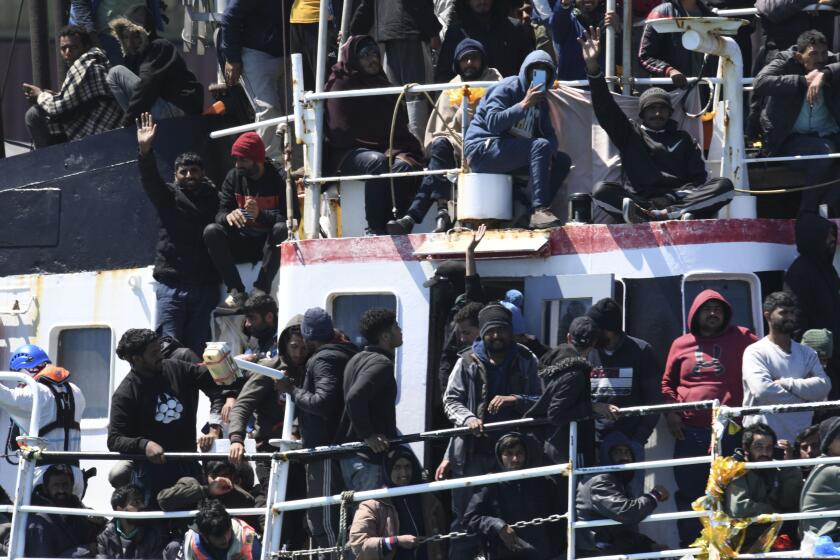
(358,133)
(444,138)
(610,496)
(663,173)
(187,283)
(251,221)
(779,370)
(388,528)
(50,535)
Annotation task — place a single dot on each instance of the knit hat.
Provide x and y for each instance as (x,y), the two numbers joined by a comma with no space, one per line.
(249,146)
(317,325)
(607,315)
(652,96)
(494,315)
(819,340)
(517,322)
(829,429)
(516,298)
(583,332)
(468,46)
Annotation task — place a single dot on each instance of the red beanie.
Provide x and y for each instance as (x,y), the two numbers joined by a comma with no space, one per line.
(249,146)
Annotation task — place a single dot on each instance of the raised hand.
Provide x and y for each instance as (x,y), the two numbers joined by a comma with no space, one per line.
(146,129)
(590,46)
(477,236)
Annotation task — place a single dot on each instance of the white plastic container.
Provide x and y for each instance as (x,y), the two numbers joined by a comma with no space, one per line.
(218,360)
(485,196)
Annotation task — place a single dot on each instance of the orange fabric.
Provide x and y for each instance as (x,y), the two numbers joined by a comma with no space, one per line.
(54,373)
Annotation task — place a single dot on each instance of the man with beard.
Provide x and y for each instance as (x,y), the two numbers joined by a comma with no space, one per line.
(251,221)
(51,535)
(779,370)
(761,491)
(807,446)
(84,104)
(187,284)
(494,380)
(154,411)
(444,137)
(821,491)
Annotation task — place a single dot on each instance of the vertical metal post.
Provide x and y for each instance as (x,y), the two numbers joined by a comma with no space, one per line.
(39,41)
(570,513)
(609,57)
(346,16)
(59,17)
(277,487)
(323,24)
(311,209)
(627,48)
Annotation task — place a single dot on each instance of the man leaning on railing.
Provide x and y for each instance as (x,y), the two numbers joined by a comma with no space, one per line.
(822,489)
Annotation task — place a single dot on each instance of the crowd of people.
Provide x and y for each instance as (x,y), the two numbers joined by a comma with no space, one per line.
(492,370)
(119,68)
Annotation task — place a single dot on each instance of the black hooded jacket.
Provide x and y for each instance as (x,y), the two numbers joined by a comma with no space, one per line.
(180,255)
(497,505)
(566,398)
(389,20)
(507,44)
(813,279)
(370,396)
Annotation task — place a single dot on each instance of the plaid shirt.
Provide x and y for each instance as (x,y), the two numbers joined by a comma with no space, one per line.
(84,105)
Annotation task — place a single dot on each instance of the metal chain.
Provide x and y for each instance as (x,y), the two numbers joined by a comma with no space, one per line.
(536,522)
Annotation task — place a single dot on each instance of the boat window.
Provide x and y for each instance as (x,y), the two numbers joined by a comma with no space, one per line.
(558,315)
(347,309)
(86,353)
(738,292)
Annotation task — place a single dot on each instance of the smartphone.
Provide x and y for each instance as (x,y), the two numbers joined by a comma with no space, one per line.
(539,78)
(778,453)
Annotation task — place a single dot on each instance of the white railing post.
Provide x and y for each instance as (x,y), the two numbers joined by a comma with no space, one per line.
(26,469)
(277,486)
(609,55)
(627,48)
(570,514)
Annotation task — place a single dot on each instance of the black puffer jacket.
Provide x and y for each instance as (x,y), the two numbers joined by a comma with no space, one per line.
(148,542)
(320,401)
(783,86)
(507,44)
(387,20)
(566,397)
(814,280)
(497,505)
(181,255)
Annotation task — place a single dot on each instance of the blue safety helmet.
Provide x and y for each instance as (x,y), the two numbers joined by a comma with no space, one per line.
(28,356)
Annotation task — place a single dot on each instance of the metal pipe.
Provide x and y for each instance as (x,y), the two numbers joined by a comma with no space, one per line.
(346,16)
(297,96)
(736,12)
(26,469)
(252,126)
(425,488)
(39,41)
(751,161)
(641,556)
(59,16)
(234,512)
(661,408)
(627,48)
(609,55)
(346,178)
(321,60)
(259,368)
(653,518)
(571,512)
(662,463)
(735,411)
(785,463)
(279,483)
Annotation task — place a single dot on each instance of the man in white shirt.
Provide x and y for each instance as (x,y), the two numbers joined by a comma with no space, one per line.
(779,370)
(62,405)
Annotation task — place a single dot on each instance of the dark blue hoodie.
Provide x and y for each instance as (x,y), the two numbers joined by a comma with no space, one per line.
(499,110)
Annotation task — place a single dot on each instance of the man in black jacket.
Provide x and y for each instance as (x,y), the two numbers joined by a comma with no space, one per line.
(126,538)
(801,114)
(664,173)
(319,404)
(187,284)
(403,27)
(154,411)
(813,279)
(154,77)
(370,399)
(251,221)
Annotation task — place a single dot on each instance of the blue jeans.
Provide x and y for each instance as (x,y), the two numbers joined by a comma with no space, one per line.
(123,82)
(691,479)
(533,156)
(816,170)
(183,312)
(378,203)
(434,187)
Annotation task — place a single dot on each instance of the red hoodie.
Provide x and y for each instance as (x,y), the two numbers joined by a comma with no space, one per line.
(706,368)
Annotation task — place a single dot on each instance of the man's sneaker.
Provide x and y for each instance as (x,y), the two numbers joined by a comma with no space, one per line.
(543,218)
(403,226)
(234,301)
(632,212)
(443,222)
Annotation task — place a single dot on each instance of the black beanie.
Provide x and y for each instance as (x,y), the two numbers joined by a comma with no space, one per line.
(607,315)
(493,316)
(829,429)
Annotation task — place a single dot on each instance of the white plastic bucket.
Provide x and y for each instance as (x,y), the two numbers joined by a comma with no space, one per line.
(485,196)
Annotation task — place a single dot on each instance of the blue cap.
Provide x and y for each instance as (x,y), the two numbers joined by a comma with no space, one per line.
(317,325)
(516,320)
(516,298)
